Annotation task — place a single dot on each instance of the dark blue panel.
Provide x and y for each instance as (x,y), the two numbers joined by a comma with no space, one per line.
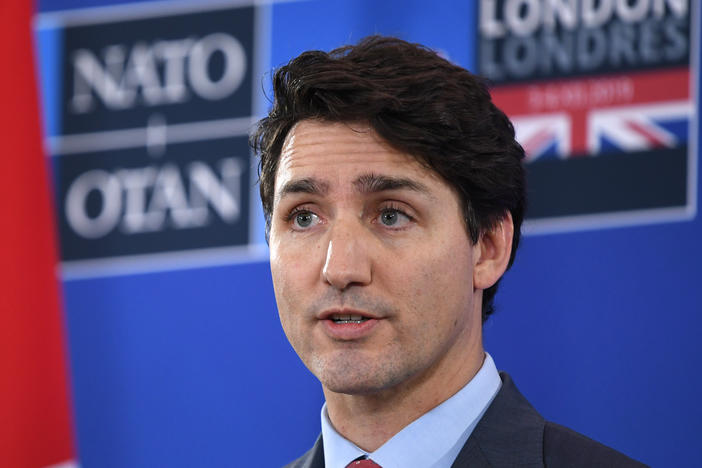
(85,110)
(176,170)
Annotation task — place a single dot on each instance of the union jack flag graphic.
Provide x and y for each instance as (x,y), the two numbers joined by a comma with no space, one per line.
(544,136)
(639,128)
(590,117)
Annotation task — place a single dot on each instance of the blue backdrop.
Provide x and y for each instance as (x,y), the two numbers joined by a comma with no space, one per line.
(188,366)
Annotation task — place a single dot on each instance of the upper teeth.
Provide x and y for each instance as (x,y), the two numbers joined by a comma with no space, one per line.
(347,317)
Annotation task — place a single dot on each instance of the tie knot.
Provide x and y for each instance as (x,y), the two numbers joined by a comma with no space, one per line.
(365,463)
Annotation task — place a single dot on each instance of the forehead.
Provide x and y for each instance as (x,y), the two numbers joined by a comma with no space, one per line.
(333,151)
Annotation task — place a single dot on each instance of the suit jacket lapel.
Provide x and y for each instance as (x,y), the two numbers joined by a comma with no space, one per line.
(471,455)
(314,458)
(510,433)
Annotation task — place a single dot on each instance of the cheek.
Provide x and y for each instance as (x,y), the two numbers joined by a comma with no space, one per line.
(291,283)
(442,280)
(281,286)
(288,308)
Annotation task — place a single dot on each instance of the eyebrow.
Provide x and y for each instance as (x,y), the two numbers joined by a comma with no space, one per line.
(307,185)
(366,183)
(374,183)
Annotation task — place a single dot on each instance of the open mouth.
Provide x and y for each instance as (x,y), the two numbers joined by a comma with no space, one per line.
(344,319)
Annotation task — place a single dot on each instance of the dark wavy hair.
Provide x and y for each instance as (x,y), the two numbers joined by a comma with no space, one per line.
(419,103)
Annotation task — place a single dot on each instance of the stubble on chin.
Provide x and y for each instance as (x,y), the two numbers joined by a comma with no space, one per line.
(355,373)
(354,367)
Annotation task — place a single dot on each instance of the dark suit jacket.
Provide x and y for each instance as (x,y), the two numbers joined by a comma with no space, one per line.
(513,433)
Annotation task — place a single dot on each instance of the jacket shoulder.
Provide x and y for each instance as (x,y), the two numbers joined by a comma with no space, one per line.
(565,447)
(300,462)
(313,458)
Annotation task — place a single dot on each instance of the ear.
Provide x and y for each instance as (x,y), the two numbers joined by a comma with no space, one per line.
(492,253)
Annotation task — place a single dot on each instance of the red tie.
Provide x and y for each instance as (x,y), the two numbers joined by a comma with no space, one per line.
(365,463)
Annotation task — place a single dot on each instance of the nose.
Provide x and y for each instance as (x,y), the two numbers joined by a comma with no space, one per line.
(347,262)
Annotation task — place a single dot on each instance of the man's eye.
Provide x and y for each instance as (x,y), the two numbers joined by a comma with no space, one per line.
(304,219)
(393,218)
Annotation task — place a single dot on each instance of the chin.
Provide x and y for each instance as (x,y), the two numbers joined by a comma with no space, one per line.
(355,381)
(351,388)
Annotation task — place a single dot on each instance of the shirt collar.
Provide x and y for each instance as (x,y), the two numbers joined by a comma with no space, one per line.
(432,440)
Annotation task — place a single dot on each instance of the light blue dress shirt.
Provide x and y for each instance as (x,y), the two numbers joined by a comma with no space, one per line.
(433,440)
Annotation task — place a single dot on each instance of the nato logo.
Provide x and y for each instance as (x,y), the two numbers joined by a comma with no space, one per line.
(148,112)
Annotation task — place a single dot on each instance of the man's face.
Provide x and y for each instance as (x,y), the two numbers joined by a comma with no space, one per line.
(371,262)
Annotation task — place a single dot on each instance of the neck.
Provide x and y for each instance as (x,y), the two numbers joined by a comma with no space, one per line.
(371,419)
